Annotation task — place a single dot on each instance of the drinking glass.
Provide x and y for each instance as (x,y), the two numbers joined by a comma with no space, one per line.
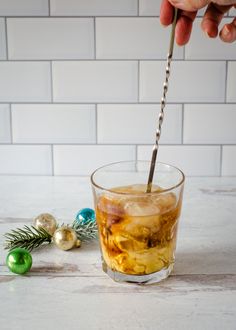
(137,230)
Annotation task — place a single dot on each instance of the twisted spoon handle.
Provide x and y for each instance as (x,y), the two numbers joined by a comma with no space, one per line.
(163,104)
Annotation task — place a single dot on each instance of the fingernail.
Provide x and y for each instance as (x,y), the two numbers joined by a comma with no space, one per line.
(207,34)
(226,31)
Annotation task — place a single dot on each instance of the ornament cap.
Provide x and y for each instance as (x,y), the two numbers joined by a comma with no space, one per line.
(78,243)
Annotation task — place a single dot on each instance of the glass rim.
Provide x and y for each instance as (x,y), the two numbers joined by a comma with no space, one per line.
(140,194)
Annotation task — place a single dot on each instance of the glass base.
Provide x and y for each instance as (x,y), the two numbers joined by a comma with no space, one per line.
(139,279)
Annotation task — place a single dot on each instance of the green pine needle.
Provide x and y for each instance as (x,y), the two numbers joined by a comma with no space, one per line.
(85,231)
(27,237)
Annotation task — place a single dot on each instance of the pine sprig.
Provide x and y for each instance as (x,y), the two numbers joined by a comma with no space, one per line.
(85,231)
(27,237)
(30,237)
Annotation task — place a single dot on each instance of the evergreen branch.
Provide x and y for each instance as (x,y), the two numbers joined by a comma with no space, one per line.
(27,237)
(85,231)
(31,238)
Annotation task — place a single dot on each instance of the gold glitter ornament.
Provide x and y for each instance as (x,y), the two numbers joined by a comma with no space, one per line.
(65,238)
(47,222)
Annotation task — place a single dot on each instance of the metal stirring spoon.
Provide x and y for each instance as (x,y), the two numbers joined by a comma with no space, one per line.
(163,104)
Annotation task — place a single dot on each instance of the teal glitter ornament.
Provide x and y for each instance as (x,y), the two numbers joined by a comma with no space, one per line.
(19,261)
(86,216)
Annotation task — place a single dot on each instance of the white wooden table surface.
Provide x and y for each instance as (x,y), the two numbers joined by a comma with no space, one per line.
(68,290)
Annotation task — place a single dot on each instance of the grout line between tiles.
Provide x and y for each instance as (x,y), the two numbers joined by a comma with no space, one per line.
(114,144)
(88,16)
(95,38)
(226,78)
(118,103)
(11,128)
(161,59)
(52,160)
(138,8)
(138,84)
(221,159)
(6,37)
(49,8)
(182,125)
(96,124)
(51,85)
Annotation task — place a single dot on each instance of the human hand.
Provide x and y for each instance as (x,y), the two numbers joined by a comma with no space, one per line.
(210,23)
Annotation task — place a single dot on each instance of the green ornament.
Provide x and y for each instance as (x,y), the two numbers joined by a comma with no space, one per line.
(19,261)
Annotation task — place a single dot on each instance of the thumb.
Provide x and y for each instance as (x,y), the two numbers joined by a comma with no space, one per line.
(228,32)
(189,5)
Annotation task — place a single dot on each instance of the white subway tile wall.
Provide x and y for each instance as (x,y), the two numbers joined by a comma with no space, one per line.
(229,161)
(53,123)
(95,81)
(200,47)
(94,7)
(221,131)
(25,160)
(50,38)
(25,81)
(5,125)
(193,160)
(132,38)
(191,81)
(152,8)
(83,160)
(231,82)
(24,8)
(149,7)
(136,123)
(3,48)
(81,83)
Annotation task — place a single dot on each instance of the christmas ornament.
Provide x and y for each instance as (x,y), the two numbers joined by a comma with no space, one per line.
(19,261)
(85,215)
(22,240)
(30,237)
(47,222)
(65,238)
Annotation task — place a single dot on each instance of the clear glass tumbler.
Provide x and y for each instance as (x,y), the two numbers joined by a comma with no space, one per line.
(137,230)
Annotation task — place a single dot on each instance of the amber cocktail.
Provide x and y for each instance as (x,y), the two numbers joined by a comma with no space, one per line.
(137,230)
